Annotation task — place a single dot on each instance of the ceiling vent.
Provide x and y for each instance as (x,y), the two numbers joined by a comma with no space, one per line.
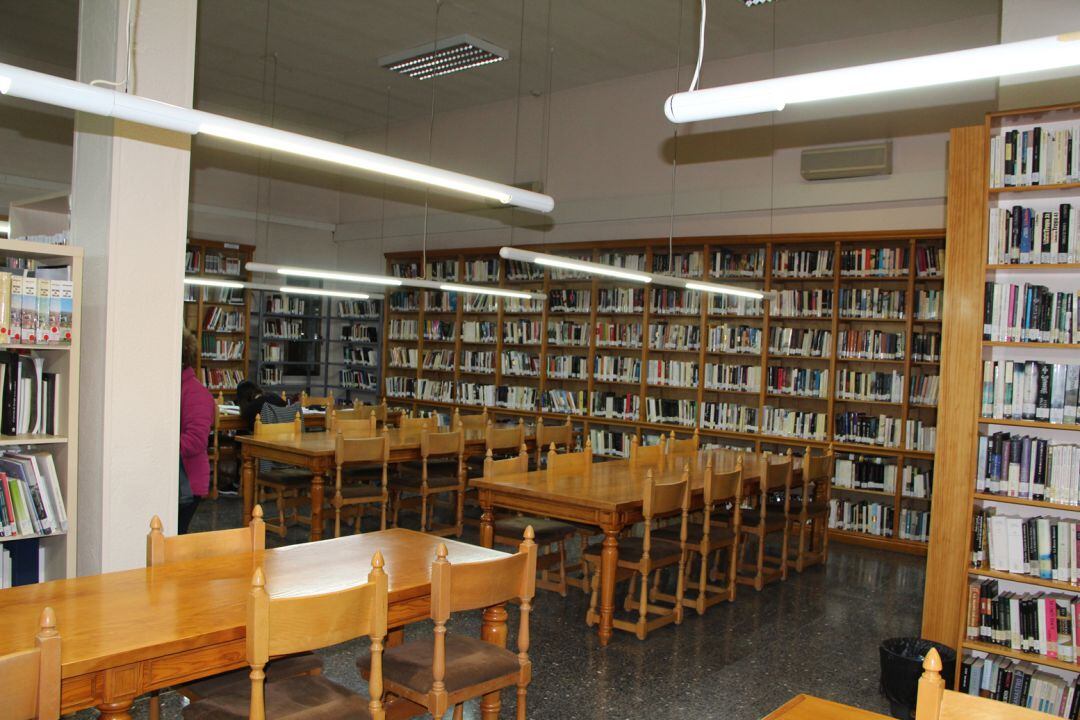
(847,161)
(448,55)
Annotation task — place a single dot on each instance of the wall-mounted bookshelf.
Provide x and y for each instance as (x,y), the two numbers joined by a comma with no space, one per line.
(220,318)
(623,359)
(1016,447)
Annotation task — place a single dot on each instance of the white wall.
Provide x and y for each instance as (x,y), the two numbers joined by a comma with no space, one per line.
(1026,19)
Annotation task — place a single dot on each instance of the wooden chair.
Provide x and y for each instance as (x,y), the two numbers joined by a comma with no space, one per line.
(451,668)
(448,447)
(285,486)
(470,422)
(165,550)
(315,401)
(767,519)
(570,463)
(711,541)
(352,451)
(364,410)
(214,451)
(689,446)
(30,679)
(648,454)
(284,625)
(503,439)
(935,702)
(351,423)
(808,518)
(557,435)
(408,422)
(548,534)
(640,557)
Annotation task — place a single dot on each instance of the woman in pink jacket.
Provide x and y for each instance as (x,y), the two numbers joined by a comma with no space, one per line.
(197,410)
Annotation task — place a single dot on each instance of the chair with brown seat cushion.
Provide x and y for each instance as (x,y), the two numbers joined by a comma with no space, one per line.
(711,541)
(165,550)
(442,472)
(30,679)
(559,436)
(452,668)
(353,453)
(768,518)
(550,535)
(640,557)
(809,513)
(286,625)
(284,485)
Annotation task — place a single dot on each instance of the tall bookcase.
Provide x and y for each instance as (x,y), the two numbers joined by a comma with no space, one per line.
(58,551)
(974,201)
(622,359)
(219,317)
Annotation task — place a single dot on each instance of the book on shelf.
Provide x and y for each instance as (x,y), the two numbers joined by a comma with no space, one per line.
(615,406)
(624,335)
(672,373)
(31,397)
(735,339)
(1035,155)
(861,516)
(22,563)
(483,271)
(227,379)
(733,417)
(527,332)
(733,264)
(817,303)
(567,367)
(918,482)
(674,336)
(517,397)
(928,304)
(872,303)
(1019,683)
(680,264)
(1029,236)
(862,472)
(565,333)
(865,429)
(479,331)
(404,301)
(31,501)
(1030,313)
(859,344)
(1028,467)
(721,304)
(610,443)
(435,359)
(442,270)
(802,263)
(799,342)
(926,347)
(742,378)
(568,402)
(788,422)
(522,364)
(36,306)
(667,301)
(673,412)
(476,361)
(794,381)
(569,300)
(929,261)
(1031,390)
(871,385)
(1046,548)
(1040,623)
(361,333)
(218,319)
(617,300)
(476,394)
(874,262)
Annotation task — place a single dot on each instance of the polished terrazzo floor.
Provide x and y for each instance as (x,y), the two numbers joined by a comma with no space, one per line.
(817,633)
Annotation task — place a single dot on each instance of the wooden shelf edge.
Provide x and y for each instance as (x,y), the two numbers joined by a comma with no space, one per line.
(910,547)
(1018,655)
(990,497)
(1025,579)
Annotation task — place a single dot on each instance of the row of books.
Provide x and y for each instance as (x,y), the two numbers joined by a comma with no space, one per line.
(270,376)
(30,398)
(872,385)
(36,309)
(1035,156)
(735,305)
(485,271)
(477,303)
(283,329)
(522,305)
(1030,313)
(1040,623)
(733,417)
(667,336)
(736,339)
(1027,236)
(220,320)
(865,429)
(435,390)
(366,357)
(1019,683)
(672,373)
(615,406)
(610,443)
(358,379)
(738,378)
(624,260)
(876,303)
(527,332)
(438,360)
(874,262)
(479,361)
(402,357)
(287,305)
(675,412)
(219,264)
(31,502)
(730,264)
(361,333)
(1042,547)
(924,389)
(516,397)
(684,264)
(802,303)
(404,301)
(569,300)
(1029,467)
(624,335)
(799,342)
(442,270)
(616,368)
(439,330)
(566,367)
(796,381)
(358,309)
(519,271)
(666,301)
(862,516)
(403,329)
(1031,390)
(567,333)
(802,263)
(862,472)
(215,348)
(438,301)
(620,300)
(520,364)
(482,331)
(870,344)
(568,402)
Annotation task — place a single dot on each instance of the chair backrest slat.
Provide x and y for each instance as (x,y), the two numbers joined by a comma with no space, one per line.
(510,466)
(477,421)
(311,401)
(470,586)
(570,463)
(361,449)
(442,443)
(164,550)
(648,454)
(407,422)
(504,437)
(366,410)
(561,436)
(279,431)
(687,446)
(30,679)
(351,423)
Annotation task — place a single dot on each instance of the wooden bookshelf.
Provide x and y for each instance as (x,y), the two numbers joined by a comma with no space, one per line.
(971,198)
(32,217)
(199,301)
(652,316)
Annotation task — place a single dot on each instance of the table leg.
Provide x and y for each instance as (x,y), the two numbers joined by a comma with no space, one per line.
(493,631)
(115,710)
(487,523)
(247,486)
(316,506)
(609,559)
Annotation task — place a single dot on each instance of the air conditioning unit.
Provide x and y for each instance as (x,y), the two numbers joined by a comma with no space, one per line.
(847,161)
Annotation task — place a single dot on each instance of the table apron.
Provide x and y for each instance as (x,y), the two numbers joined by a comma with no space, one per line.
(560,509)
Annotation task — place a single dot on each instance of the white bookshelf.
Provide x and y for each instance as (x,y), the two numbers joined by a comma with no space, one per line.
(47,216)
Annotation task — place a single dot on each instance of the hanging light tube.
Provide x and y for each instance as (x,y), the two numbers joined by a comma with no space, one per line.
(295,290)
(362,279)
(583,266)
(82,97)
(207,282)
(288,289)
(1024,56)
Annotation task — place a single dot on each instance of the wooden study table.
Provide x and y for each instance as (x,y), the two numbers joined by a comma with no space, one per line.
(611,499)
(808,707)
(126,633)
(315,451)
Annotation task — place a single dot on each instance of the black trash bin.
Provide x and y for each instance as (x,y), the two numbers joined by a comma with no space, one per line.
(901,666)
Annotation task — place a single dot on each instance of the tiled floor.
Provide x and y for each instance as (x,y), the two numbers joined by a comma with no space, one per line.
(817,633)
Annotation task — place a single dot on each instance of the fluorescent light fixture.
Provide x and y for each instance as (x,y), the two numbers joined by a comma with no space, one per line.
(323,274)
(718,289)
(294,290)
(448,55)
(5,228)
(208,282)
(583,266)
(1025,56)
(52,90)
(483,290)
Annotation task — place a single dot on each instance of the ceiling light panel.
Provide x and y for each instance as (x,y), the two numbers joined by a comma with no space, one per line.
(448,55)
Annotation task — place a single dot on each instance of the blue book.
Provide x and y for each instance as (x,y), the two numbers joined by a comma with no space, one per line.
(1026,241)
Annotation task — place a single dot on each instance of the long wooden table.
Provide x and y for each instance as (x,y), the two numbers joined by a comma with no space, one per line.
(808,707)
(610,498)
(126,633)
(315,451)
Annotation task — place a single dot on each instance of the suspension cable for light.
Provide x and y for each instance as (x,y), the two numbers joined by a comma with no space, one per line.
(362,279)
(1024,56)
(52,90)
(592,268)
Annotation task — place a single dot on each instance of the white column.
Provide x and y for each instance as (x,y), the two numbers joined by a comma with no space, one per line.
(129,211)
(1026,19)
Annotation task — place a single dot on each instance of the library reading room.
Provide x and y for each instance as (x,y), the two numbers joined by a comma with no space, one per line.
(565,359)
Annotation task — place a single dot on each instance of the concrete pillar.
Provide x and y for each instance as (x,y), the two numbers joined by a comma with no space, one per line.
(1026,19)
(129,211)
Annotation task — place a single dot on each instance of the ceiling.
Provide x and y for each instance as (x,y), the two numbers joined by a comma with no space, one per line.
(312,64)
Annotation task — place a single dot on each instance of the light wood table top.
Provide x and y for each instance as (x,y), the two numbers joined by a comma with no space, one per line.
(808,707)
(152,619)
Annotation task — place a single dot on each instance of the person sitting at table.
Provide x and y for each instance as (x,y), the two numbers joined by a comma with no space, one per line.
(197,409)
(251,398)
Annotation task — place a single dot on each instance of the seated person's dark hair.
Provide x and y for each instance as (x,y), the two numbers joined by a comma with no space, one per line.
(246,391)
